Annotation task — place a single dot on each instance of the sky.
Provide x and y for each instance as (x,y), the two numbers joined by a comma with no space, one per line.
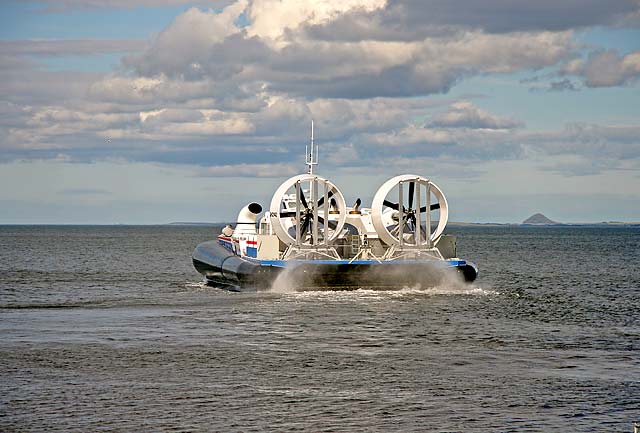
(149,112)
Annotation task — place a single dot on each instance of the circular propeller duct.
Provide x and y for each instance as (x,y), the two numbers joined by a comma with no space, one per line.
(405,209)
(307,210)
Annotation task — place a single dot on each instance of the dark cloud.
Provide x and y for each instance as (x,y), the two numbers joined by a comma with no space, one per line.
(205,46)
(395,81)
(418,19)
(563,85)
(540,86)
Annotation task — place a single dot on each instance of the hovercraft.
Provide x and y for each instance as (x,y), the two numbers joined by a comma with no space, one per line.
(313,239)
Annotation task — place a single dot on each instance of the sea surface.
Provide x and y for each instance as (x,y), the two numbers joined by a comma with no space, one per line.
(109,328)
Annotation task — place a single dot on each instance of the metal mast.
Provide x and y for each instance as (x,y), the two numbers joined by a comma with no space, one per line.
(311,153)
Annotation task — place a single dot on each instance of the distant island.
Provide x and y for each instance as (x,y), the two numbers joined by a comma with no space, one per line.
(539,219)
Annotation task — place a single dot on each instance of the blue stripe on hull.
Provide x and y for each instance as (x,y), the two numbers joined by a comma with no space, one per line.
(294,263)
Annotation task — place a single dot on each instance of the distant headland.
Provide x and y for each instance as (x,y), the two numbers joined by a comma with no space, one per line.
(540,220)
(190,223)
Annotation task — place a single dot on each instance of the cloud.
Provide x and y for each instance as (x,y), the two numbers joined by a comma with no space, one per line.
(619,142)
(23,80)
(250,170)
(204,45)
(577,149)
(179,48)
(608,68)
(343,19)
(68,47)
(572,165)
(275,20)
(585,149)
(224,87)
(84,192)
(456,143)
(147,91)
(467,115)
(56,6)
(601,68)
(29,86)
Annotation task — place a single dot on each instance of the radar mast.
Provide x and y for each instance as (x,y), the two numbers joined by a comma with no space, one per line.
(311,152)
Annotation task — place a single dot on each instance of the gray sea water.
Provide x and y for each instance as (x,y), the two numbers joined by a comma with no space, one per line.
(110,329)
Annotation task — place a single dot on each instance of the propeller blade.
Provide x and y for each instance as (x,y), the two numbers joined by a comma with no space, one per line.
(329,195)
(433,207)
(412,189)
(305,226)
(331,224)
(303,199)
(287,214)
(391,205)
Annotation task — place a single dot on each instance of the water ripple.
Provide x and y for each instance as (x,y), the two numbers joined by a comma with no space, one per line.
(111,329)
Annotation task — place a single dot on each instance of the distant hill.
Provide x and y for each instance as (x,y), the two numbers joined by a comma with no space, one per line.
(539,219)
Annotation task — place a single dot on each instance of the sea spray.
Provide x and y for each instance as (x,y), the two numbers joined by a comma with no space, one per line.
(294,279)
(430,278)
(425,276)
(284,282)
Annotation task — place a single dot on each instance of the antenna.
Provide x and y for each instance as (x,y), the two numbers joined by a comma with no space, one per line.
(311,153)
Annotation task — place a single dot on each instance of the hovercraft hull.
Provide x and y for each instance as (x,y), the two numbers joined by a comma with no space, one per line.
(223,268)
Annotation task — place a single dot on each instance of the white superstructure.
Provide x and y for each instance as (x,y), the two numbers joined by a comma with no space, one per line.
(309,218)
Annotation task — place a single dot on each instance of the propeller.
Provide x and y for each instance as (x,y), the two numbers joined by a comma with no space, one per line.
(407,211)
(307,218)
(302,211)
